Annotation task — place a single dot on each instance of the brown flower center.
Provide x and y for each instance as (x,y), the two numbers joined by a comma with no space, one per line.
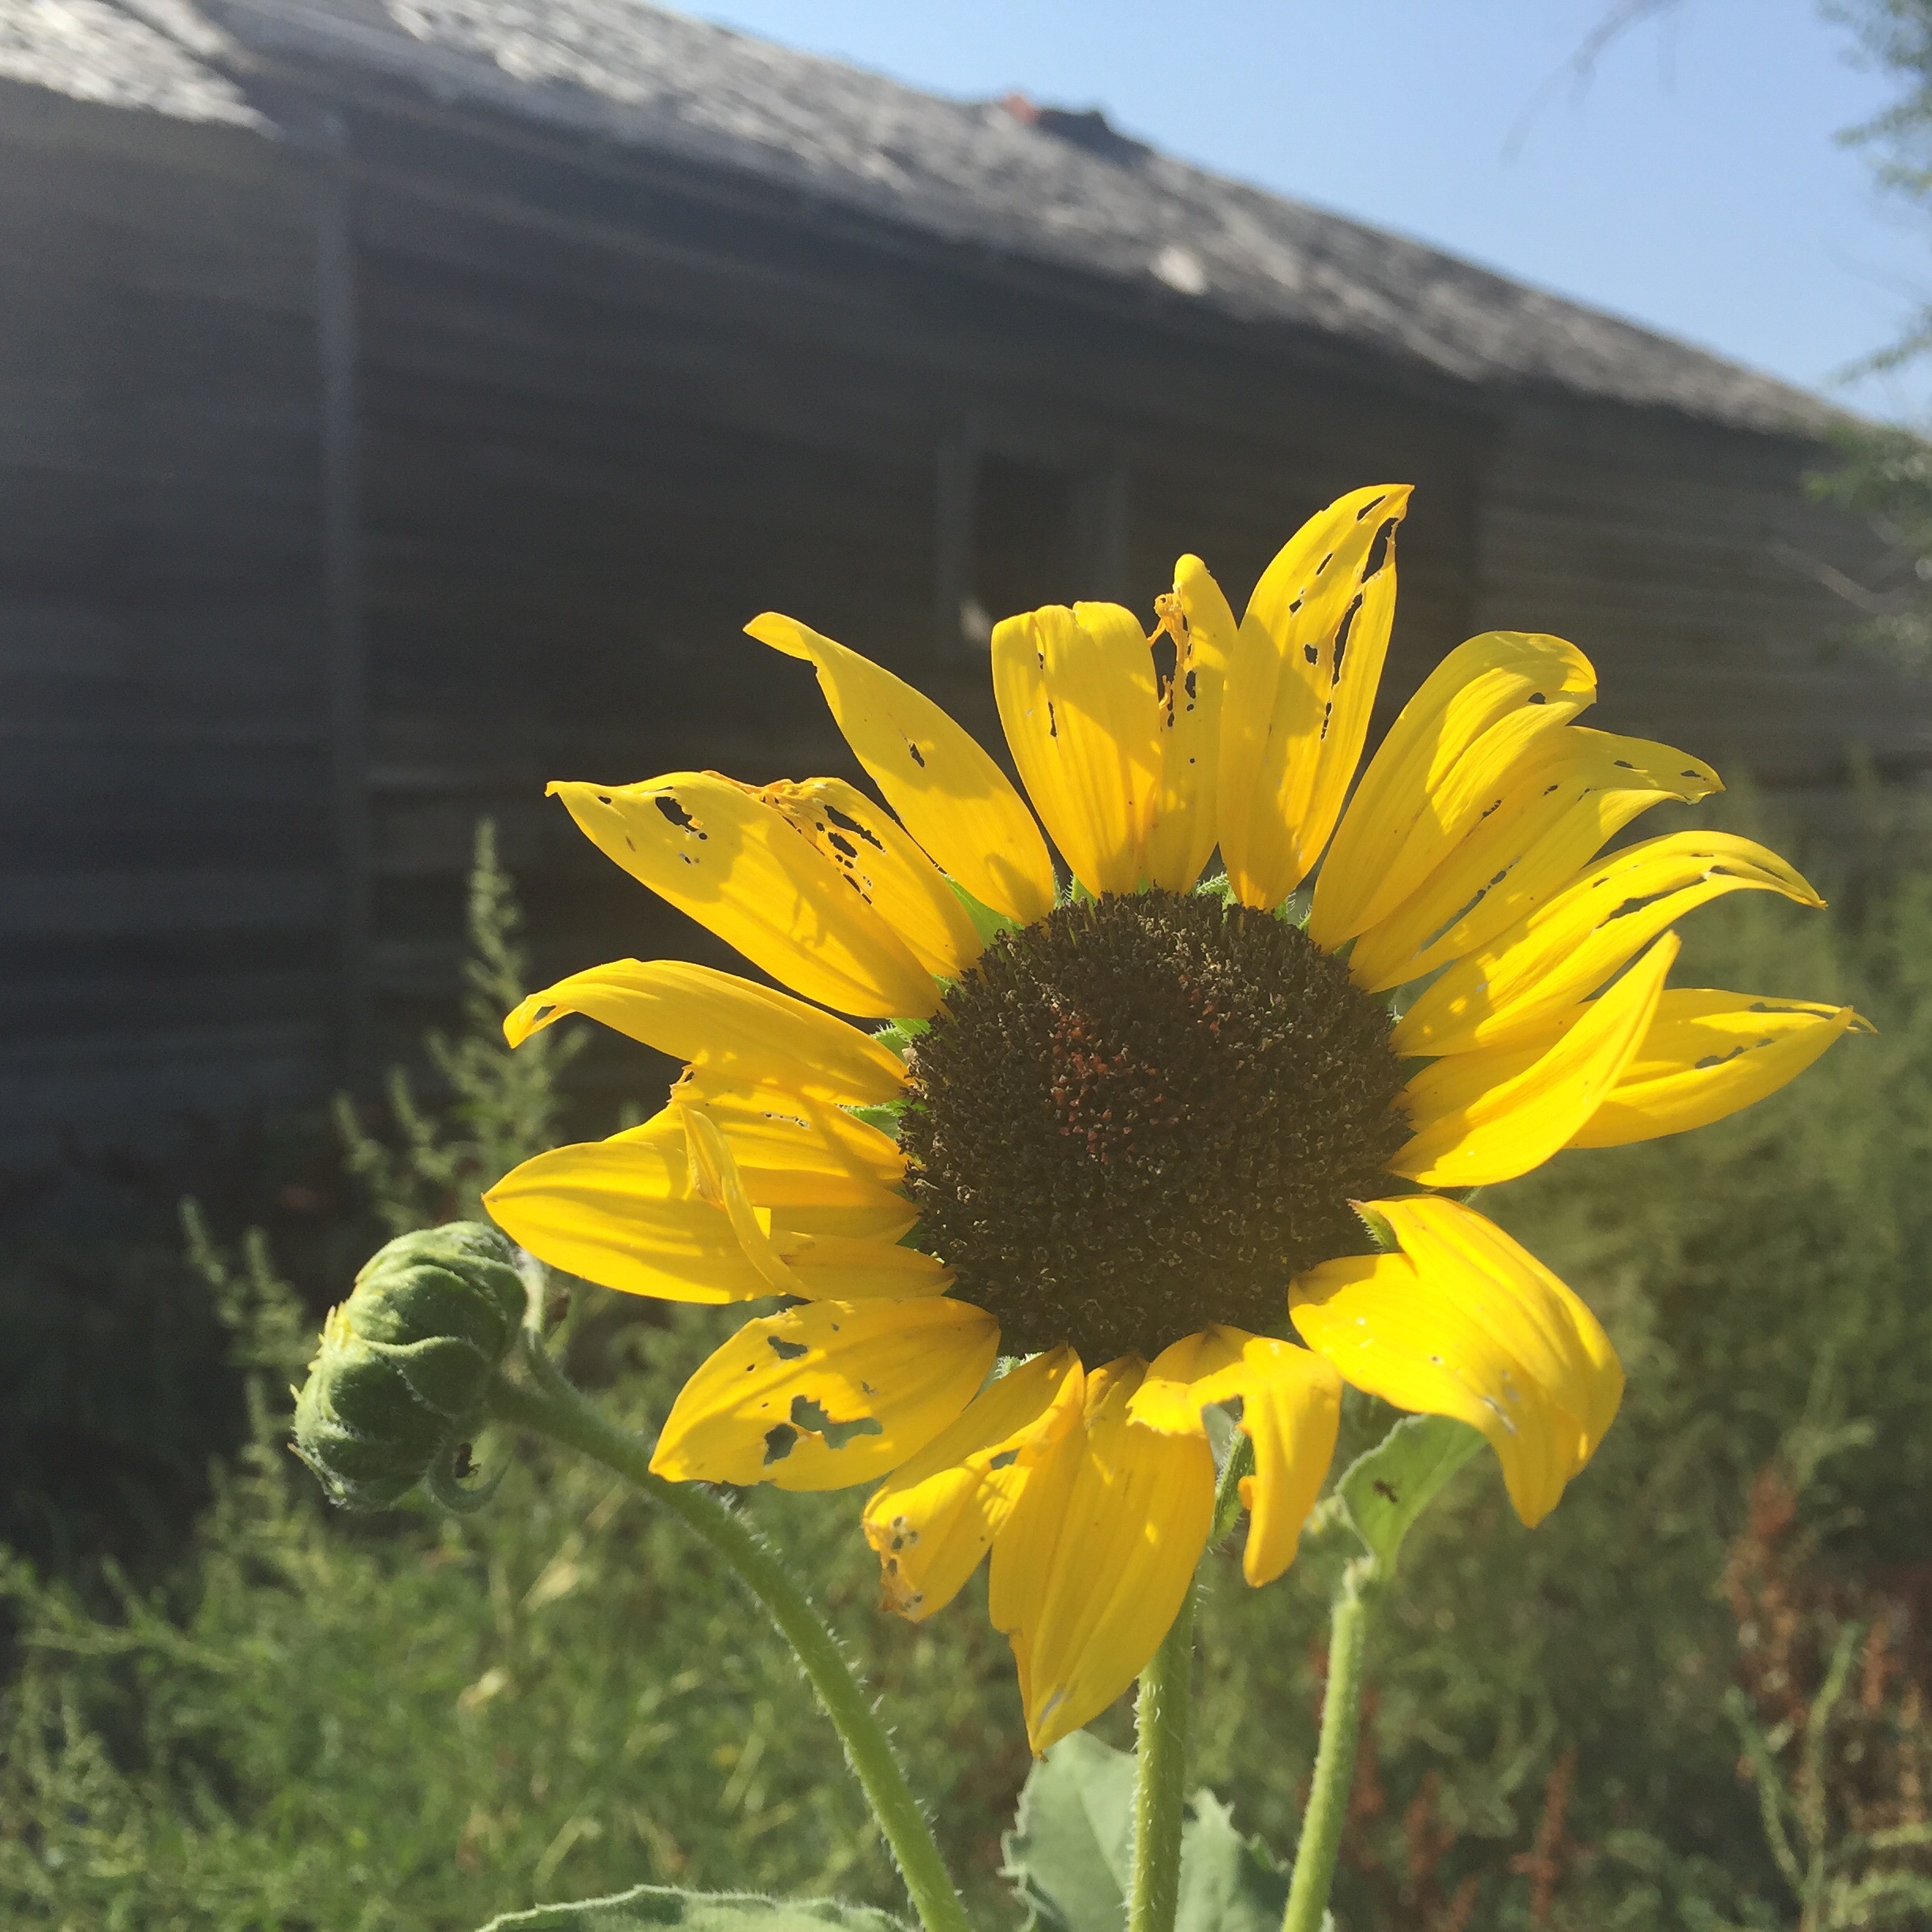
(1145,1113)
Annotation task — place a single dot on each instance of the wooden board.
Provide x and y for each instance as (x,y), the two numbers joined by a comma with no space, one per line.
(165,873)
(600,408)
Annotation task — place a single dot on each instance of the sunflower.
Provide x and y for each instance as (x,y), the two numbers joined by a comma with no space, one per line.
(1117,1131)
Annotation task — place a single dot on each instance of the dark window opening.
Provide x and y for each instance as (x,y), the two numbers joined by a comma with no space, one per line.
(1024,547)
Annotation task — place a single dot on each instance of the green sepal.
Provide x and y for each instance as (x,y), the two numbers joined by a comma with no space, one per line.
(897,1035)
(449,1489)
(1295,909)
(987,923)
(1070,1852)
(1385,1490)
(1381,1229)
(444,1373)
(697,1912)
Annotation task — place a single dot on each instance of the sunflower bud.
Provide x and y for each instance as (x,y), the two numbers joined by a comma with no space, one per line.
(401,1377)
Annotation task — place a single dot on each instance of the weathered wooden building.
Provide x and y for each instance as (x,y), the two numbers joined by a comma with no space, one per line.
(403,401)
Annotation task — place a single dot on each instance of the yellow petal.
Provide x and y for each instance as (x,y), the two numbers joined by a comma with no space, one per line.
(1511,988)
(793,1152)
(1402,816)
(717,851)
(622,1215)
(1292,1414)
(1077,695)
(625,1213)
(715,1178)
(1484,1117)
(725,1025)
(808,1235)
(1465,1323)
(840,1249)
(1182,835)
(845,1254)
(812,1177)
(948,794)
(1291,1409)
(1090,1569)
(1189,1375)
(885,868)
(1541,820)
(1709,1053)
(772,1244)
(827,1394)
(936,1516)
(1300,687)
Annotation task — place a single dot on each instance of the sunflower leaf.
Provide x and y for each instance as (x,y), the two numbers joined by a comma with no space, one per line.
(1229,1883)
(697,1912)
(1070,1853)
(1385,1490)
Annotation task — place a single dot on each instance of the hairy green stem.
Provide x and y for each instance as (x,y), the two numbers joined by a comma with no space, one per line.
(1160,1714)
(1160,1776)
(1239,1465)
(549,1405)
(1335,1756)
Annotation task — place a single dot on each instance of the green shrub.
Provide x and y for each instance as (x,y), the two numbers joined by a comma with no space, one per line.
(499,1107)
(425,1722)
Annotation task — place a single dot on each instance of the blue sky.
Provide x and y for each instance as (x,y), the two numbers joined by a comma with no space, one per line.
(1695,184)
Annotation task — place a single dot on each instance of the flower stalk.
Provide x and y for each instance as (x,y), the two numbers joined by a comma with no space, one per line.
(1161,1716)
(1161,1713)
(1335,1755)
(549,1404)
(1379,1498)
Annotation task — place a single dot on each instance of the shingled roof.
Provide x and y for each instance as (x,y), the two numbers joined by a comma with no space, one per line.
(1054,189)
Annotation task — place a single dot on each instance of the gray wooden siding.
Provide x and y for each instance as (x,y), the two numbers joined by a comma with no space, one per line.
(165,870)
(1685,561)
(610,414)
(605,408)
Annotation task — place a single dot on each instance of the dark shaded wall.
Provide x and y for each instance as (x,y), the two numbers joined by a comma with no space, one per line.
(603,408)
(1690,565)
(613,409)
(165,861)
